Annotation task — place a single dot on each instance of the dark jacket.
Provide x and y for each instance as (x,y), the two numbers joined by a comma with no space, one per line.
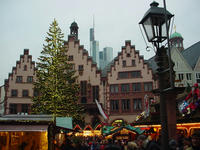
(152,146)
(112,147)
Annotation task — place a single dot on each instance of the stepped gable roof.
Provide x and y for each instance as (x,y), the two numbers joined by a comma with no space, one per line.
(192,54)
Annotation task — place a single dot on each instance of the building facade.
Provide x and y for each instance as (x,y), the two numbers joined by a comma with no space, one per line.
(120,90)
(19,87)
(186,61)
(89,77)
(129,85)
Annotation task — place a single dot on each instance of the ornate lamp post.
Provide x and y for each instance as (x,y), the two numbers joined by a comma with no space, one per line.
(155,23)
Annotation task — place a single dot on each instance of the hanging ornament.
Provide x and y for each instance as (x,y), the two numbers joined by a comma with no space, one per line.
(182,106)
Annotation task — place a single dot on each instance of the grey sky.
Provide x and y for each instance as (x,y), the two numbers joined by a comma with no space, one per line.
(24,24)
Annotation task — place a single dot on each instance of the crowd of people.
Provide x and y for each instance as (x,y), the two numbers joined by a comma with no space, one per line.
(142,142)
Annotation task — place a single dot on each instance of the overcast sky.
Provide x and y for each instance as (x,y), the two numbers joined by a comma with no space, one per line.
(24,24)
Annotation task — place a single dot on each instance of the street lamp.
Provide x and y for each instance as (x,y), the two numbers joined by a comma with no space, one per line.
(155,23)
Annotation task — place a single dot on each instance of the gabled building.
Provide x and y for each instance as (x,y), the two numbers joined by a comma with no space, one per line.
(19,86)
(186,61)
(128,81)
(89,77)
(183,71)
(192,55)
(123,89)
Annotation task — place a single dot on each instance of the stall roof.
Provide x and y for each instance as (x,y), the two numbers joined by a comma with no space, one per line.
(26,117)
(61,122)
(107,130)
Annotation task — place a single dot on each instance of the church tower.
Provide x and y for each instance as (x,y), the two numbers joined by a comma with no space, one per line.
(176,40)
(74,30)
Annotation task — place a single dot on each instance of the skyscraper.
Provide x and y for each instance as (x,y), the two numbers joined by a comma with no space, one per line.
(94,47)
(105,56)
(101,60)
(108,54)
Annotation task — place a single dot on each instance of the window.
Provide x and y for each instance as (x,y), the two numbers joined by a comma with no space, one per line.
(114,88)
(25,93)
(71,58)
(148,86)
(198,77)
(189,76)
(30,79)
(83,100)
(180,76)
(13,108)
(83,88)
(133,62)
(114,105)
(136,87)
(14,93)
(95,93)
(137,104)
(125,104)
(135,74)
(80,68)
(123,75)
(19,79)
(25,67)
(125,88)
(128,55)
(25,108)
(124,63)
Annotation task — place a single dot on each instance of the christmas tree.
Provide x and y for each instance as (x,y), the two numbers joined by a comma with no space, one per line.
(56,83)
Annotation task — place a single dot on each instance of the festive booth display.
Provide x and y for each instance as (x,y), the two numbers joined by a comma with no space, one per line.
(107,130)
(191,102)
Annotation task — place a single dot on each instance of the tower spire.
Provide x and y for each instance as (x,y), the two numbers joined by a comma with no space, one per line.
(175,28)
(93,25)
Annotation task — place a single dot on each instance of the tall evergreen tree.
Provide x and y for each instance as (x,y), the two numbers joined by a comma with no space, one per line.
(56,82)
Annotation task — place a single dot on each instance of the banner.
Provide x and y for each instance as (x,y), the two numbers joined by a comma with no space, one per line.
(105,116)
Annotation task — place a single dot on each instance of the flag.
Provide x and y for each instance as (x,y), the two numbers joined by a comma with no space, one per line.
(105,116)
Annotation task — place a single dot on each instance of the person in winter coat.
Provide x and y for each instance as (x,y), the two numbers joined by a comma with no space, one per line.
(145,144)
